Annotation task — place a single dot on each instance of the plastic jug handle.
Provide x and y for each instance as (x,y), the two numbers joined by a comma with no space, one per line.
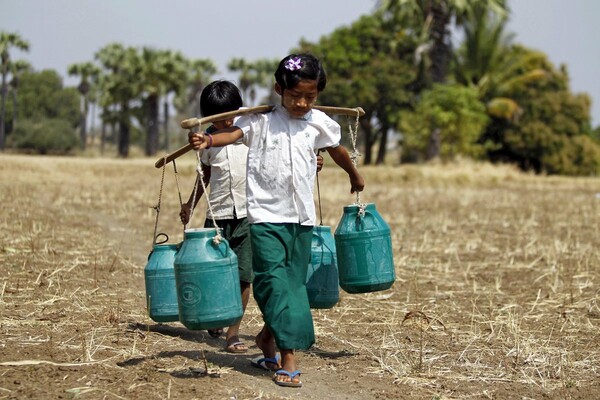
(218,245)
(161,234)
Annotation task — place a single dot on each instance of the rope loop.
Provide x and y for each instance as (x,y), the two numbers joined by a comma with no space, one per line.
(361,209)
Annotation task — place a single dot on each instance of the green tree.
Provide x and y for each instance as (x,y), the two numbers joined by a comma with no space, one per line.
(45,102)
(459,114)
(51,136)
(372,66)
(42,96)
(87,72)
(553,132)
(431,20)
(7,41)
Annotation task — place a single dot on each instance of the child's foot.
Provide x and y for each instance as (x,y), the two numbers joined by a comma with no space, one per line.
(235,345)
(287,378)
(266,343)
(288,374)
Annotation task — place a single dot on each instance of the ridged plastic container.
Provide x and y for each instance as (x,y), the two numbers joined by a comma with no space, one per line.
(364,251)
(322,283)
(159,275)
(208,283)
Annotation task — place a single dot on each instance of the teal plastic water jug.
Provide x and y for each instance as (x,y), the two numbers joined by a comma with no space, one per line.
(364,250)
(322,283)
(159,274)
(208,283)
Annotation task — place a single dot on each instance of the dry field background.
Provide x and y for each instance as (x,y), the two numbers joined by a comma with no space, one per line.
(497,293)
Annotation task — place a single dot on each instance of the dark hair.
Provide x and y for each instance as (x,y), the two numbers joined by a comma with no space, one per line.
(219,97)
(309,68)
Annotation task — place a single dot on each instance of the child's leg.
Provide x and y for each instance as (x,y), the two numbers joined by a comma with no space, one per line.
(237,234)
(281,253)
(234,344)
(266,343)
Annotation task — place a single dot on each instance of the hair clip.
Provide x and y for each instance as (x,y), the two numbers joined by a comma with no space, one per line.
(293,64)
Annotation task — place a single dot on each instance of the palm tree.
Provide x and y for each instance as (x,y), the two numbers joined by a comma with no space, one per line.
(434,17)
(152,81)
(16,69)
(87,71)
(487,62)
(7,40)
(177,77)
(119,87)
(199,74)
(163,72)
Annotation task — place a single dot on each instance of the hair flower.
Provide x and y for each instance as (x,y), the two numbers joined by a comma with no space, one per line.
(293,64)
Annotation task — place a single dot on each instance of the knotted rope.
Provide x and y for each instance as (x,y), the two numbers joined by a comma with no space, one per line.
(157,206)
(178,191)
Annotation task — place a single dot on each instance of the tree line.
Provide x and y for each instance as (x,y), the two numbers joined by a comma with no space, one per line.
(484,97)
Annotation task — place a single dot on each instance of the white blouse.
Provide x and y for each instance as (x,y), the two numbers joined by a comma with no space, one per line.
(227,180)
(282,163)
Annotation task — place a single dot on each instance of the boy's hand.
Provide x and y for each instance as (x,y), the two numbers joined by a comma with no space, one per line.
(357,183)
(185,213)
(197,140)
(319,162)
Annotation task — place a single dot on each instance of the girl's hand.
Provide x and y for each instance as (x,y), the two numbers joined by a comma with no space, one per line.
(197,140)
(185,213)
(319,162)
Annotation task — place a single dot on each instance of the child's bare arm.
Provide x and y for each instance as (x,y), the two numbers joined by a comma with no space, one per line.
(340,155)
(219,138)
(186,208)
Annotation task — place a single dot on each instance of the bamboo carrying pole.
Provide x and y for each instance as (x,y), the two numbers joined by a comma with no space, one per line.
(192,123)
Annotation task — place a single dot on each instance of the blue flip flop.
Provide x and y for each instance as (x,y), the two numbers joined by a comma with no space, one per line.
(292,375)
(261,362)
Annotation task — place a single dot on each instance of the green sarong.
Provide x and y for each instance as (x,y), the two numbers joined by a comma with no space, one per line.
(280,258)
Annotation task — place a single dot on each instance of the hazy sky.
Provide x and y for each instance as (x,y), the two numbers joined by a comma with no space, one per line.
(63,32)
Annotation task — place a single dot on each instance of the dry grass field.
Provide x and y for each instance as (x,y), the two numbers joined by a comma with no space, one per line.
(497,293)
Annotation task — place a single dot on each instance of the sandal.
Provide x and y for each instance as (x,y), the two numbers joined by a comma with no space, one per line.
(261,362)
(236,347)
(290,375)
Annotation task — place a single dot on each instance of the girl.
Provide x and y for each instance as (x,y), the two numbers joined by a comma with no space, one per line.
(280,207)
(225,170)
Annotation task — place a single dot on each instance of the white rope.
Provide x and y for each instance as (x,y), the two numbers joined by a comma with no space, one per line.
(157,206)
(354,156)
(200,177)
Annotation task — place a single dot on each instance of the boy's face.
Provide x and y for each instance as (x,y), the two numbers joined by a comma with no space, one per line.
(223,124)
(299,99)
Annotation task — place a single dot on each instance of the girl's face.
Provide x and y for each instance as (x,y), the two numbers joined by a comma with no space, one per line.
(223,124)
(299,99)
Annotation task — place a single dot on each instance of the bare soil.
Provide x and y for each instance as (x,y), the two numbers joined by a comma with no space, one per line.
(497,293)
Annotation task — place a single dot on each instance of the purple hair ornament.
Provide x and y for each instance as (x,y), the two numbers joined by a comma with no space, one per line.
(293,64)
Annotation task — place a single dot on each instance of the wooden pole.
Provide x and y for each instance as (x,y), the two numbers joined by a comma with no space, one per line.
(192,123)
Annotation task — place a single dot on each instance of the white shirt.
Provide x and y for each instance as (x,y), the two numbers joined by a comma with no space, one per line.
(227,180)
(282,163)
